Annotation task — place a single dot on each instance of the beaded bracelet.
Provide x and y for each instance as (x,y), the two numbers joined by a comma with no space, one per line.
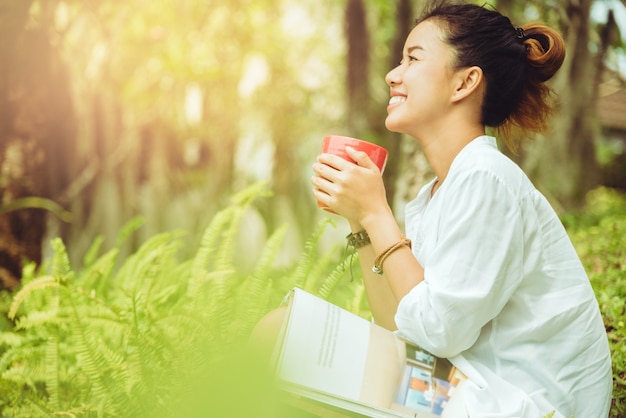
(378,262)
(358,239)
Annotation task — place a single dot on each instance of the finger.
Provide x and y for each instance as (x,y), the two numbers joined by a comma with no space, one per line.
(321,196)
(361,158)
(325,171)
(334,161)
(322,184)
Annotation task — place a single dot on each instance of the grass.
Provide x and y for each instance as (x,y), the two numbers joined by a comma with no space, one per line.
(599,235)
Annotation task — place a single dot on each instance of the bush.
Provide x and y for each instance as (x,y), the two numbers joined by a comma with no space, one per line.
(135,340)
(599,235)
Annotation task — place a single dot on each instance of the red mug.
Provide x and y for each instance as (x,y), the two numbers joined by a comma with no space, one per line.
(336,144)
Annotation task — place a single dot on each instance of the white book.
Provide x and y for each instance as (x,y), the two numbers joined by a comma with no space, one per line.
(336,359)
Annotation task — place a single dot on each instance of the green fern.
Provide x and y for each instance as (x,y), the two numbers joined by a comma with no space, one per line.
(61,267)
(258,286)
(330,284)
(53,379)
(307,259)
(92,252)
(125,337)
(126,231)
(37,284)
(96,272)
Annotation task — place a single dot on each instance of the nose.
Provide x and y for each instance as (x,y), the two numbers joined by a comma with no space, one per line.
(393,77)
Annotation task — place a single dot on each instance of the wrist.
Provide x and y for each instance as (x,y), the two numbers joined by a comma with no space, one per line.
(373,220)
(355,226)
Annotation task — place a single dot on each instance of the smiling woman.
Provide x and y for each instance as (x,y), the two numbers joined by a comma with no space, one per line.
(491,279)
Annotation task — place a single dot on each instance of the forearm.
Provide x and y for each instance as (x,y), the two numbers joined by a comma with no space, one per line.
(382,301)
(356,192)
(401,271)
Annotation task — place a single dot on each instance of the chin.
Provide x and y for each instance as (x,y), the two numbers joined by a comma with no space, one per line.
(392,127)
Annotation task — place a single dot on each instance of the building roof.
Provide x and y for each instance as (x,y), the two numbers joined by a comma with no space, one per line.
(611,106)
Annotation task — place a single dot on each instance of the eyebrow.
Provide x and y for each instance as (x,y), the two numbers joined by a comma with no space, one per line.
(412,48)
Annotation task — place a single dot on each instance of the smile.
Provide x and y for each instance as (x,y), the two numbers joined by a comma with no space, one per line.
(397,99)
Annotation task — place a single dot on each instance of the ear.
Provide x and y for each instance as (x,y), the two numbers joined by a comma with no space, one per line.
(468,81)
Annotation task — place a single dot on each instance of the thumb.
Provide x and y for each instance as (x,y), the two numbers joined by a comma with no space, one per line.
(361,158)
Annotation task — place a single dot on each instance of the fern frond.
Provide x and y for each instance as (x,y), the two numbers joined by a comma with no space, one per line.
(202,283)
(208,247)
(224,252)
(147,258)
(34,408)
(99,272)
(10,339)
(219,306)
(254,294)
(262,272)
(130,227)
(29,271)
(354,305)
(77,411)
(52,381)
(61,266)
(37,284)
(251,193)
(308,257)
(92,253)
(24,364)
(218,241)
(333,279)
(90,359)
(36,319)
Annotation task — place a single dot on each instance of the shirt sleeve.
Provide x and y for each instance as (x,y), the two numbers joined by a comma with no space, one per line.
(472,270)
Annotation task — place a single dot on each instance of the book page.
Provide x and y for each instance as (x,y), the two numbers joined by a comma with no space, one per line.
(340,359)
(325,347)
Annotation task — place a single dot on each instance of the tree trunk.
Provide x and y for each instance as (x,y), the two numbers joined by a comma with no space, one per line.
(357,66)
(36,130)
(404,22)
(562,163)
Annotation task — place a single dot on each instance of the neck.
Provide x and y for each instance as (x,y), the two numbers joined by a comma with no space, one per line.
(441,148)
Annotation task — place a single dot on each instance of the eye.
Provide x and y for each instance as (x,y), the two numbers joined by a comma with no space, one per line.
(408,59)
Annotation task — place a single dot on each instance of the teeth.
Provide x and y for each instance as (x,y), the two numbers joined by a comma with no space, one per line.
(396,99)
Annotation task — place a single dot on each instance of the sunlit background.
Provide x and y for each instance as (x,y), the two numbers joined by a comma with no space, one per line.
(164,108)
(155,164)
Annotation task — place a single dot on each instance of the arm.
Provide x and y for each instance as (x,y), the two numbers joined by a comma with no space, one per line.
(357,193)
(475,251)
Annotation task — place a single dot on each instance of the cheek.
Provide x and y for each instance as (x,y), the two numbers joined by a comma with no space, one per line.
(431,91)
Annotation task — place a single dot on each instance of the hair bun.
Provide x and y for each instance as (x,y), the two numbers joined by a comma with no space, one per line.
(545,51)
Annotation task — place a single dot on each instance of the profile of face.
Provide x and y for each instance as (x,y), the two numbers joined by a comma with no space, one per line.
(423,83)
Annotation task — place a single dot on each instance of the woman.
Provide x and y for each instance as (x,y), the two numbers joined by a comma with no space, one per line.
(492,280)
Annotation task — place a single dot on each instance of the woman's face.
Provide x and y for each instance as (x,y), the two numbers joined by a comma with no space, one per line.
(421,86)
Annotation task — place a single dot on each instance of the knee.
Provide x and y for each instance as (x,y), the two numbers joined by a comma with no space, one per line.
(266,332)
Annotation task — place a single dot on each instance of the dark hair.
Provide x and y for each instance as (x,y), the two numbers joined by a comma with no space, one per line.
(516,63)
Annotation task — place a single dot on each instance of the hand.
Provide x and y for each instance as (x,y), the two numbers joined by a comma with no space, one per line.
(352,190)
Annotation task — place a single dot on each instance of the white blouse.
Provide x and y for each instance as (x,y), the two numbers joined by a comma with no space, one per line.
(505,295)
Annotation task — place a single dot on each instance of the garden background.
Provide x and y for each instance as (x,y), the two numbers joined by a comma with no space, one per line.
(154,173)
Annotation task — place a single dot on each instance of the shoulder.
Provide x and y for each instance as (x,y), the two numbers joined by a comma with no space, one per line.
(482,165)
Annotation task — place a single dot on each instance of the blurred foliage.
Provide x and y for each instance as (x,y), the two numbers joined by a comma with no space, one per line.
(599,235)
(158,334)
(177,104)
(164,108)
(132,337)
